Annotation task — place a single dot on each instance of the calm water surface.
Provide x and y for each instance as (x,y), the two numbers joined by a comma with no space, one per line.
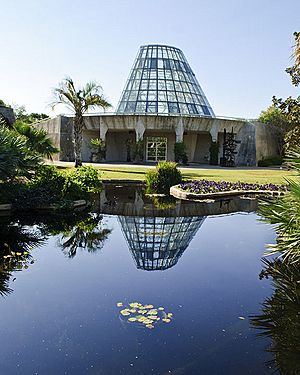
(61,316)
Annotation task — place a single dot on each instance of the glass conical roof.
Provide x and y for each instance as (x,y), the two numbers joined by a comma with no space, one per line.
(162,82)
(156,243)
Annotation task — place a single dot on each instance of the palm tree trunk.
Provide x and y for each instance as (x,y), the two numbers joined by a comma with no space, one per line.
(78,127)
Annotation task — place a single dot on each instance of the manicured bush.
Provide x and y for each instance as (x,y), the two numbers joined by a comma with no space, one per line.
(165,175)
(180,155)
(87,178)
(276,160)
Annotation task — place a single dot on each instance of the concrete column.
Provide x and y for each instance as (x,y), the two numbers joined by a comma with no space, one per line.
(102,129)
(139,130)
(214,130)
(179,130)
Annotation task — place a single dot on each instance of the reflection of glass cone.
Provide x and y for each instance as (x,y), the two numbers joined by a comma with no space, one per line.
(157,243)
(162,81)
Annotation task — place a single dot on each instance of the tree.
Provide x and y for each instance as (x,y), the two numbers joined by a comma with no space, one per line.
(79,101)
(294,71)
(290,108)
(274,118)
(36,139)
(27,118)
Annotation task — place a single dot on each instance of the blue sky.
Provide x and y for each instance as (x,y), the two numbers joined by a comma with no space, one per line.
(238,49)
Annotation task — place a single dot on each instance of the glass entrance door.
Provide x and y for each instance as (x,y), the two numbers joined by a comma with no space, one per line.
(156,148)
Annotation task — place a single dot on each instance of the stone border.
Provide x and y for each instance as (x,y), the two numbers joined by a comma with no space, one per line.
(76,204)
(180,194)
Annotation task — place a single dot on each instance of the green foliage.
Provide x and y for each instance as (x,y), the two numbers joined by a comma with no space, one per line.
(290,108)
(276,160)
(164,202)
(214,153)
(27,118)
(36,139)
(2,103)
(294,71)
(87,179)
(49,185)
(165,175)
(284,212)
(79,101)
(16,159)
(98,149)
(180,154)
(279,320)
(76,229)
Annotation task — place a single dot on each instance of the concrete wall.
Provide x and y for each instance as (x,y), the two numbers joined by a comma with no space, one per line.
(257,140)
(116,145)
(60,130)
(266,142)
(201,154)
(246,150)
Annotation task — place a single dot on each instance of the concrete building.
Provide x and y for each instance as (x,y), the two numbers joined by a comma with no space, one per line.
(163,103)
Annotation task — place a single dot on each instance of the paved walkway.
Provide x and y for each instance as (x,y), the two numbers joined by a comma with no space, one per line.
(135,166)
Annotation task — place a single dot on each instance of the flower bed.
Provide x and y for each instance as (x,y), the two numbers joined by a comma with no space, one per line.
(208,187)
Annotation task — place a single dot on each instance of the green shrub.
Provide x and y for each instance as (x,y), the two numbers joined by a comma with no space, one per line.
(50,185)
(98,150)
(163,177)
(275,160)
(87,178)
(180,154)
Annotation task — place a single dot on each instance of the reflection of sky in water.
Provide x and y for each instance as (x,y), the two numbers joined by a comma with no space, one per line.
(62,316)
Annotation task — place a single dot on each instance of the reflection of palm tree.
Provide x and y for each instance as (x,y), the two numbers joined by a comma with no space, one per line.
(4,283)
(86,234)
(16,241)
(280,319)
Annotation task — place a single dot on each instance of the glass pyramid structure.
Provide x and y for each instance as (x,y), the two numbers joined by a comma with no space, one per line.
(162,82)
(156,243)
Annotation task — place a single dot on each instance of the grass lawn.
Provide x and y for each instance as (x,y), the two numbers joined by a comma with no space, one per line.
(245,175)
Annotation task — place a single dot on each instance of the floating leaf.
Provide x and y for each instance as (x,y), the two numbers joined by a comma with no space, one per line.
(153,317)
(160,308)
(119,304)
(166,320)
(150,326)
(132,320)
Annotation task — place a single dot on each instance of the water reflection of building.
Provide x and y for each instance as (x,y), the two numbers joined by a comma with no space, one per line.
(156,243)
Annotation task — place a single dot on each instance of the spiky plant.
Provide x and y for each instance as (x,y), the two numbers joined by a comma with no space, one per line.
(79,101)
(284,213)
(15,157)
(36,139)
(280,319)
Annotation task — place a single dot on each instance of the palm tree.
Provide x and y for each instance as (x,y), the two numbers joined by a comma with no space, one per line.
(296,53)
(79,101)
(36,139)
(284,212)
(15,157)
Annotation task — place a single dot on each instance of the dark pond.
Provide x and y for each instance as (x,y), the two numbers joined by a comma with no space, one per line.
(200,261)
